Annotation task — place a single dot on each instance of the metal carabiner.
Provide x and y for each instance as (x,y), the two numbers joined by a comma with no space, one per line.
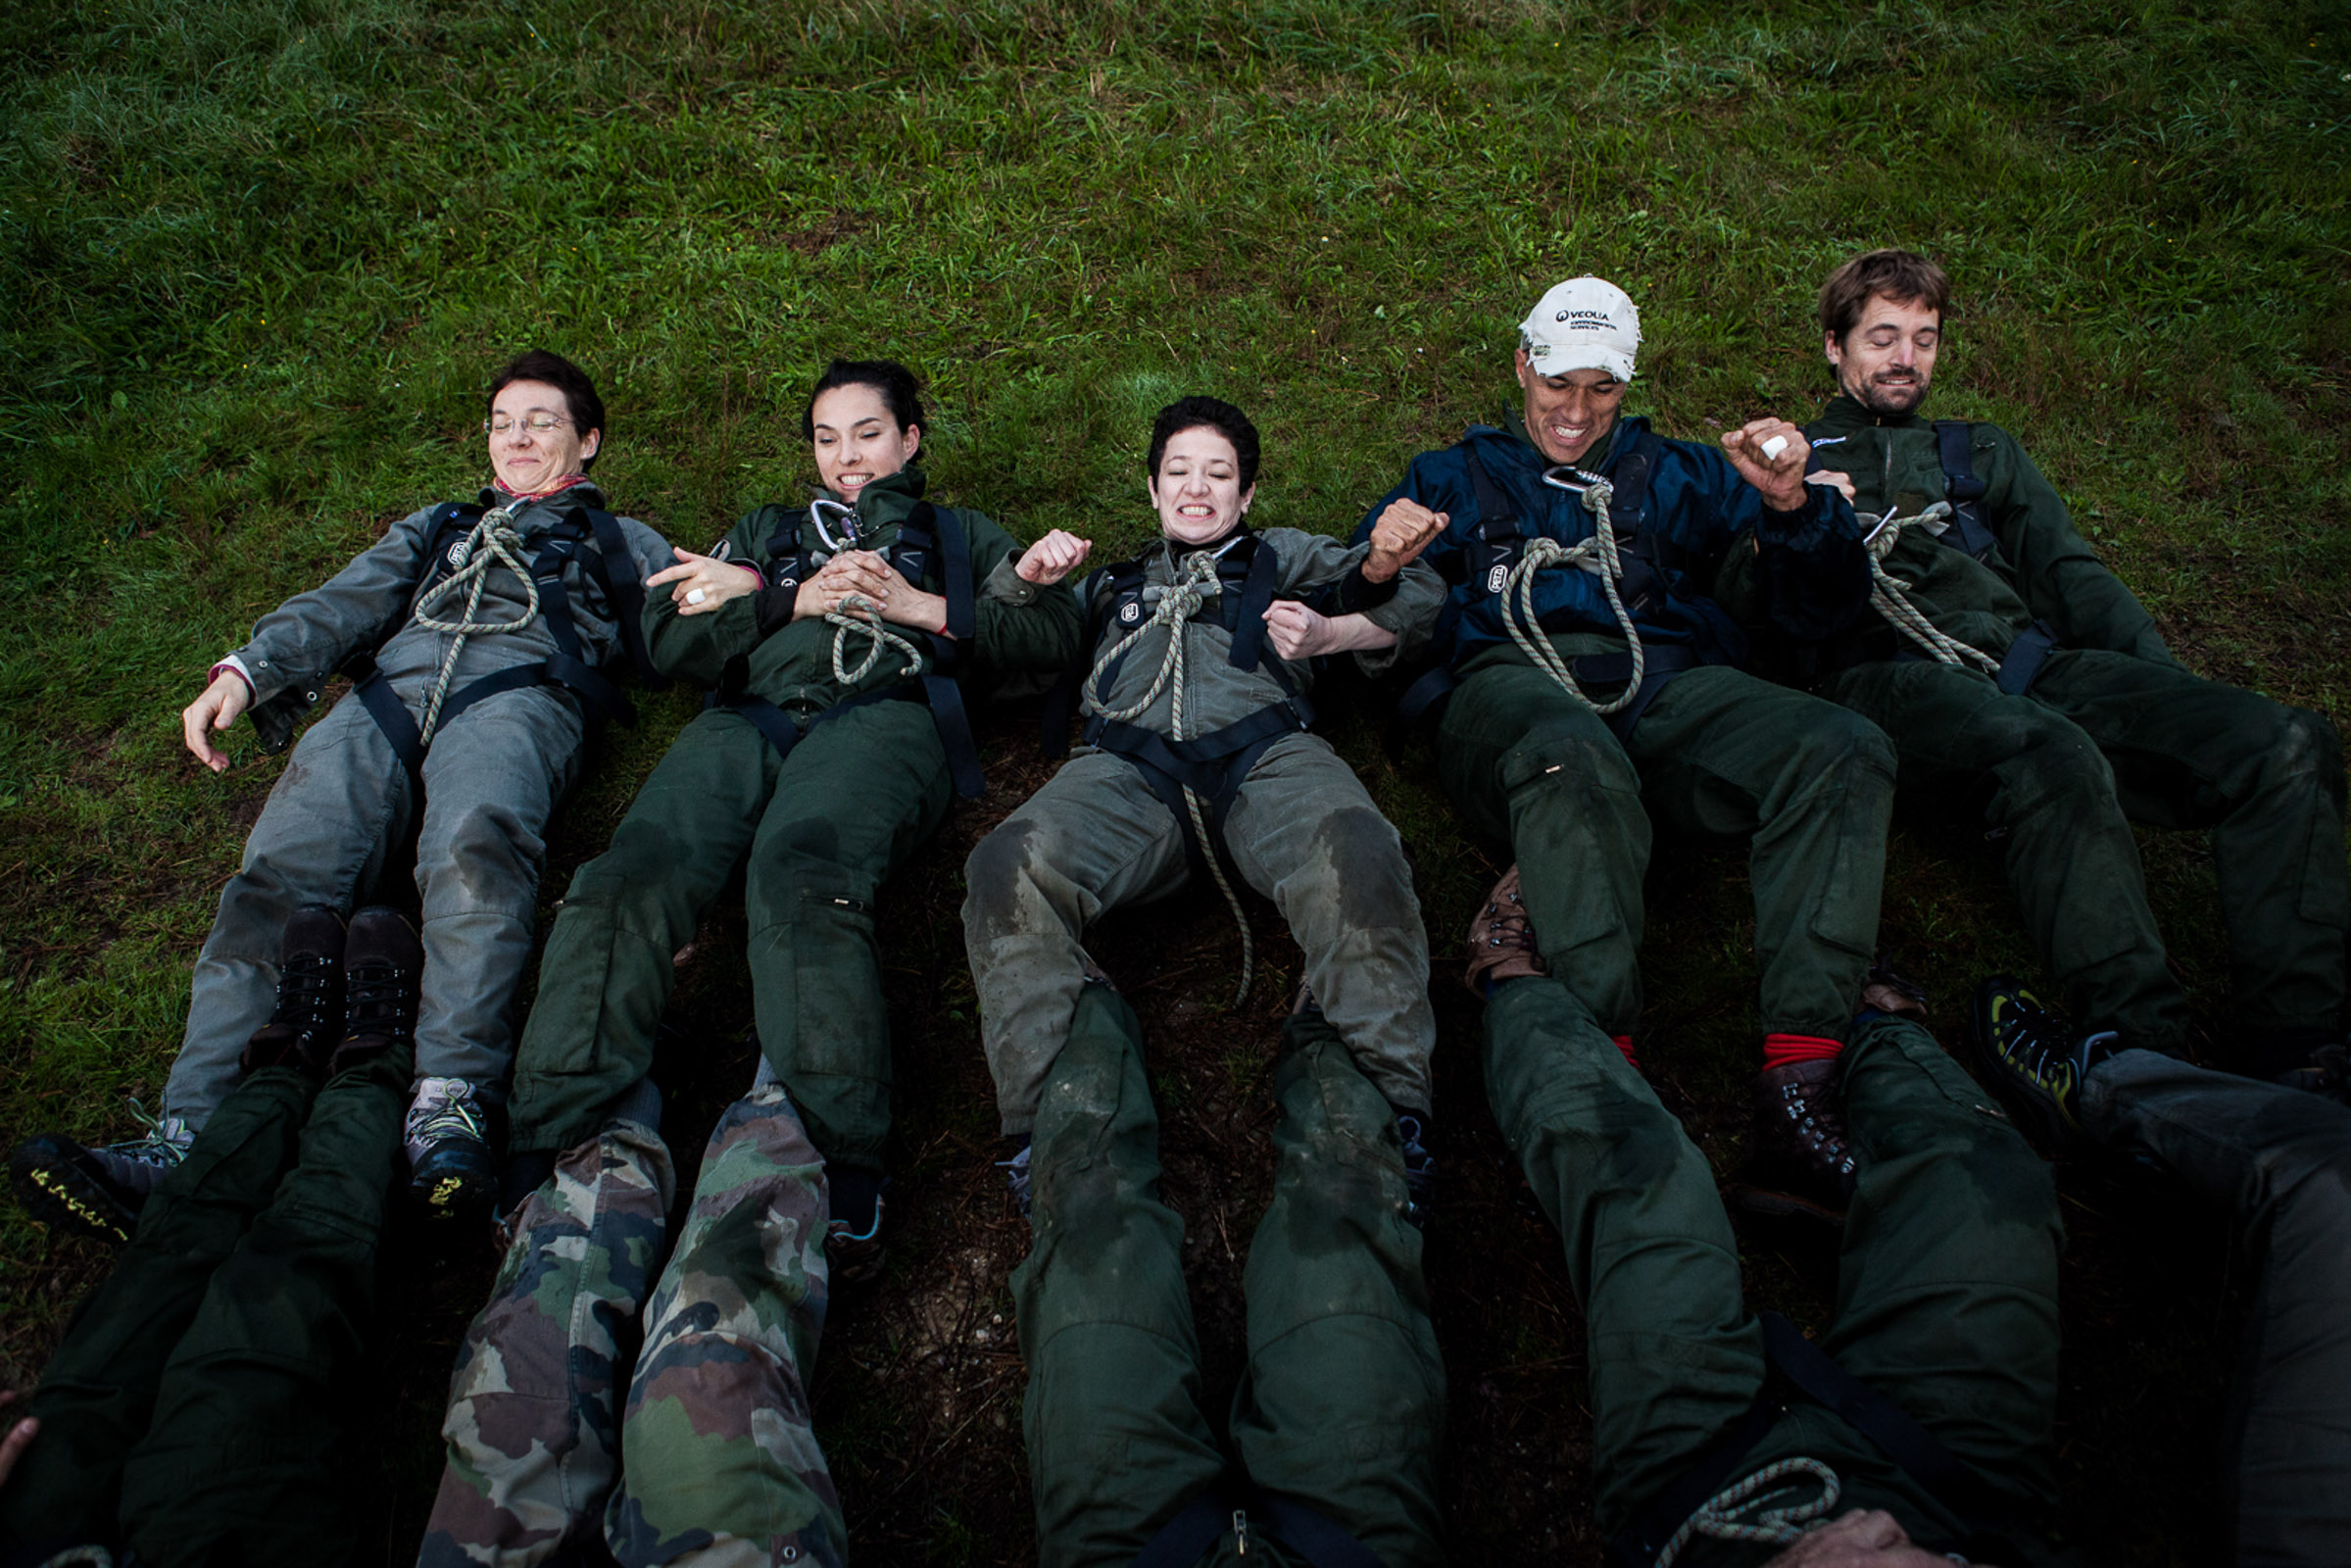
(817,512)
(1583,480)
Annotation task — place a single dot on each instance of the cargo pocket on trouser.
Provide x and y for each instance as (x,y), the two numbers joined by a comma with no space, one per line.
(816,978)
(1580,838)
(589,1039)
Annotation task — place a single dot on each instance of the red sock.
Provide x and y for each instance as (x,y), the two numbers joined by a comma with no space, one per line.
(1624,1043)
(1780,1049)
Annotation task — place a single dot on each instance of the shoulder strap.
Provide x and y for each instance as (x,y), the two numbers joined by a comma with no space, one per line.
(1263,572)
(1955,450)
(1497,543)
(450,516)
(783,544)
(616,572)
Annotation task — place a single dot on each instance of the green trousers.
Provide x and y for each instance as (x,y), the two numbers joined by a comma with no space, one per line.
(817,834)
(1806,784)
(2103,740)
(1343,1400)
(194,1409)
(1947,1287)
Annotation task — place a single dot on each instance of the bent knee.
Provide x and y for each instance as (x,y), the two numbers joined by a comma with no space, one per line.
(1563,756)
(1837,740)
(999,878)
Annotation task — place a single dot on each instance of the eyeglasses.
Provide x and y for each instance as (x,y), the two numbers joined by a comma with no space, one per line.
(536,425)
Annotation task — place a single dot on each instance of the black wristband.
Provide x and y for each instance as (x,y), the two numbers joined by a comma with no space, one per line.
(1357,593)
(774,607)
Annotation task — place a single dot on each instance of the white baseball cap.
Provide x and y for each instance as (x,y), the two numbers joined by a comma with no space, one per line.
(1586,324)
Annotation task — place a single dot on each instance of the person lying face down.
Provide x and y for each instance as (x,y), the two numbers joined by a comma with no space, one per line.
(1198,758)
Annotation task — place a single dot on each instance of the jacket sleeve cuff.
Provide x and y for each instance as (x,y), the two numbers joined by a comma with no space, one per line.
(1357,593)
(235,665)
(773,607)
(1007,585)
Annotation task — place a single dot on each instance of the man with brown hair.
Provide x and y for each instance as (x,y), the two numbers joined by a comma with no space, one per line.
(2005,655)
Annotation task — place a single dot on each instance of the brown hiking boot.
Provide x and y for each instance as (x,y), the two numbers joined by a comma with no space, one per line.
(1890,990)
(1800,1139)
(1501,938)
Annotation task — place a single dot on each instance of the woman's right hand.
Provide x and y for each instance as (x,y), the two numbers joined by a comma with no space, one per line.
(1052,558)
(854,572)
(218,709)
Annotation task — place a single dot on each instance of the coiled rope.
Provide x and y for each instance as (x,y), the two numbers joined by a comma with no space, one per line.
(1175,610)
(1597,555)
(493,541)
(878,638)
(1890,596)
(1746,1511)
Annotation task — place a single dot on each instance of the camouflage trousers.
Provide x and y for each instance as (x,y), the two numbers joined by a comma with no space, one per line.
(704,1454)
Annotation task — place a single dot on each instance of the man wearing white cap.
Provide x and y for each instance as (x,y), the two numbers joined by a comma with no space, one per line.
(1591,683)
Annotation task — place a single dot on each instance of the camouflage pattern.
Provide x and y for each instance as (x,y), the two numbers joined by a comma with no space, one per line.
(724,1469)
(533,1429)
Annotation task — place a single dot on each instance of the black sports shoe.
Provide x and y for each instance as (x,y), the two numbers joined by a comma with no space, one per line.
(447,1137)
(2035,1062)
(383,964)
(1420,1167)
(308,1023)
(97,1190)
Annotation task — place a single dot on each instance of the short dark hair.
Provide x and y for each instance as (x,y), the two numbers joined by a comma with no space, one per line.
(580,393)
(1902,277)
(1214,414)
(893,381)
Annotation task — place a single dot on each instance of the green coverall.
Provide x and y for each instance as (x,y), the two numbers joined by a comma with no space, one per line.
(2113,730)
(1946,1289)
(1342,1404)
(822,829)
(194,1409)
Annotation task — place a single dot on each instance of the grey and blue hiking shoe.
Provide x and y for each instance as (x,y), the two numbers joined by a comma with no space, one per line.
(2033,1059)
(447,1136)
(97,1191)
(1420,1167)
(1016,1177)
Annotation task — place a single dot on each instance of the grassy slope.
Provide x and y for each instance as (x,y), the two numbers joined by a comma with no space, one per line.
(256,258)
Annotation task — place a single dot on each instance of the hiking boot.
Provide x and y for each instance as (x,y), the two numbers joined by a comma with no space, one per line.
(448,1140)
(1502,940)
(1801,1142)
(2328,1072)
(2033,1059)
(2307,1061)
(97,1191)
(1888,991)
(1420,1167)
(852,1238)
(1016,1177)
(303,1031)
(383,964)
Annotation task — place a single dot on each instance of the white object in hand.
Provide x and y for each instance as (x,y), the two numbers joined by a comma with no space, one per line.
(695,596)
(1774,447)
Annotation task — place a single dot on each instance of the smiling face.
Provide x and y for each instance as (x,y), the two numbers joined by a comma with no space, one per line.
(858,440)
(1569,415)
(1196,491)
(527,460)
(1886,360)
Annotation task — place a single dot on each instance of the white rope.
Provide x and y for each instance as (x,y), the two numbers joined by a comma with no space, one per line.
(1174,611)
(878,638)
(1744,1511)
(1890,596)
(493,542)
(1597,555)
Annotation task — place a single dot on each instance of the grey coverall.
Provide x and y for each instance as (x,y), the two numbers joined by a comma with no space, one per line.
(1303,832)
(492,778)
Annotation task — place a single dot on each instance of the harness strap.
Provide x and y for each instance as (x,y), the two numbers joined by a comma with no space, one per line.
(1499,539)
(390,713)
(2020,667)
(782,730)
(1955,450)
(1183,1540)
(1661,664)
(623,591)
(1222,1508)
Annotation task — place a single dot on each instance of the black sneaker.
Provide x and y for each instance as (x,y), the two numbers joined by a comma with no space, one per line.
(2033,1059)
(383,964)
(97,1191)
(1420,1167)
(447,1137)
(308,1023)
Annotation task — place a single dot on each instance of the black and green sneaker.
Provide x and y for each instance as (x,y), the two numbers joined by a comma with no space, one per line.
(2033,1059)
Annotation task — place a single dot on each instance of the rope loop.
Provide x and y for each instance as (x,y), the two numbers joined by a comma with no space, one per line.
(1890,596)
(878,638)
(1747,1510)
(493,542)
(1597,555)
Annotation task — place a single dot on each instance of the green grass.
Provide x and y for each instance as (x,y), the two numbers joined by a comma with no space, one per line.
(256,258)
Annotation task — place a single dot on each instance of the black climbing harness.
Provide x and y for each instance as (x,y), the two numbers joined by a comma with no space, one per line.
(584,534)
(931,546)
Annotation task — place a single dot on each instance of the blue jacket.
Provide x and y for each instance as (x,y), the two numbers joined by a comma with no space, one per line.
(1810,566)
